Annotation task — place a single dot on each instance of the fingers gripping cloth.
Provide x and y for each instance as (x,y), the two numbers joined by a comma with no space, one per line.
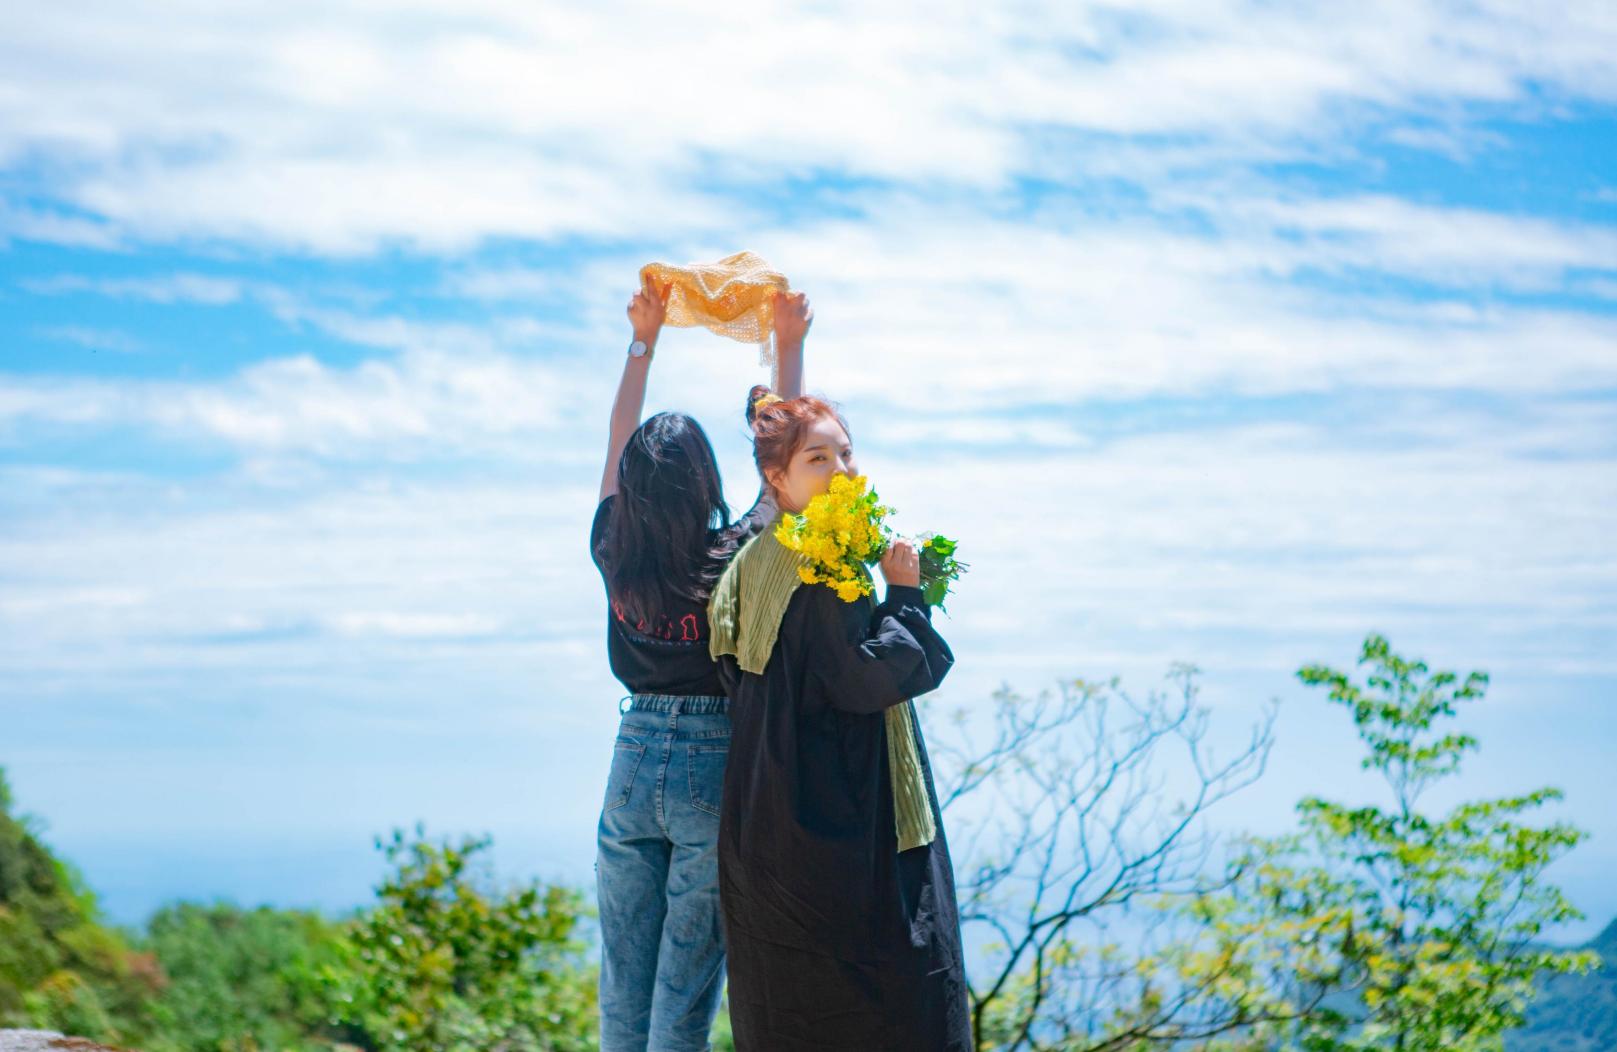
(734,297)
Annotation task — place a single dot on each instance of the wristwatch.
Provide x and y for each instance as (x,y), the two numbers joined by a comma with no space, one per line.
(638,349)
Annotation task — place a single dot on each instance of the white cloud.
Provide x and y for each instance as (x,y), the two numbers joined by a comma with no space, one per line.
(937,309)
(354,205)
(51,226)
(346,129)
(930,310)
(1286,536)
(424,405)
(505,283)
(410,625)
(95,339)
(1598,287)
(167,288)
(1457,247)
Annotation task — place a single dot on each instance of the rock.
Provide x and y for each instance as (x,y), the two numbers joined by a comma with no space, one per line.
(48,1041)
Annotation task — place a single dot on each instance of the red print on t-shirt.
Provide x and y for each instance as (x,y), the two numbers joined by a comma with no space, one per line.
(689,632)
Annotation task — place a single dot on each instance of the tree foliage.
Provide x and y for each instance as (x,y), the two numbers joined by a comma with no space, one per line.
(1402,928)
(239,980)
(60,967)
(447,962)
(1115,921)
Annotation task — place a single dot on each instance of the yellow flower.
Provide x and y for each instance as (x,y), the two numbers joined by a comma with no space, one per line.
(840,533)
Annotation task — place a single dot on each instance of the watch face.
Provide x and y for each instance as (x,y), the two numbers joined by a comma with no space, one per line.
(637,348)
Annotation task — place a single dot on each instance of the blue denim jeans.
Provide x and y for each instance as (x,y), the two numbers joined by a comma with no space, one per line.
(657,875)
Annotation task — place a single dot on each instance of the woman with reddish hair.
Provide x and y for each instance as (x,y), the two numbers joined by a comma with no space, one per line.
(841,926)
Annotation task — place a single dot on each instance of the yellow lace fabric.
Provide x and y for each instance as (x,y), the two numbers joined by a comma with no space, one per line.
(733,297)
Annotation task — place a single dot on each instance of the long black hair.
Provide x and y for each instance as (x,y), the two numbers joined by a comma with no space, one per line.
(668,536)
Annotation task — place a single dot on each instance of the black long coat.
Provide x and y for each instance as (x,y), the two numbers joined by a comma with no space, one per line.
(835,940)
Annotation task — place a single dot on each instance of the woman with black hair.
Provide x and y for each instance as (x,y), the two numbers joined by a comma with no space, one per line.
(661,537)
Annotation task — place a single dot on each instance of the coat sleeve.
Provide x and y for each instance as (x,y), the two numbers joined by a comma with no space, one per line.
(867,660)
(729,679)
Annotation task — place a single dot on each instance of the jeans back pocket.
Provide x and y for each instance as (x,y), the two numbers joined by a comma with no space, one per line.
(706,765)
(626,754)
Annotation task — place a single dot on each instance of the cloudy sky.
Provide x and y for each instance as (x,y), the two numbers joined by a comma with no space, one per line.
(1225,332)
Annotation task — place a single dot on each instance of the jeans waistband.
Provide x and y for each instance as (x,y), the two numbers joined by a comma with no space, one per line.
(690,704)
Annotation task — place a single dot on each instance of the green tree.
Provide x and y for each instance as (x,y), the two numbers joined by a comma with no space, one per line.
(60,966)
(1419,929)
(238,979)
(445,962)
(1064,825)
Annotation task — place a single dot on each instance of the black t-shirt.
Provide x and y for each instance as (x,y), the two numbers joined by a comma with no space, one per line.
(671,655)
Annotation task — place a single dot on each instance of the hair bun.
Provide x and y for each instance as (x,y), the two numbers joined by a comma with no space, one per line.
(759,397)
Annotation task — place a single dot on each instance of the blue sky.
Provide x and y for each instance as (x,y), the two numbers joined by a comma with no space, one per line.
(1220,332)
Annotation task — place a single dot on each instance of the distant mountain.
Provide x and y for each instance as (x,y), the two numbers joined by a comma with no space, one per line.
(1574,1013)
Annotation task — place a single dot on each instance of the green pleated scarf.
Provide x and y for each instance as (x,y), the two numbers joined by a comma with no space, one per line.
(744,614)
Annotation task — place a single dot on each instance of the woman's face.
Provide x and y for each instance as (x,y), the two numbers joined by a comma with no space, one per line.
(825,451)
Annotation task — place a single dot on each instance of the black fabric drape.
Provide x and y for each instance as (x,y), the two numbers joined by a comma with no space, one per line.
(834,939)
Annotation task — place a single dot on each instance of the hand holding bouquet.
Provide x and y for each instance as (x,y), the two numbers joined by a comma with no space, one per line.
(842,532)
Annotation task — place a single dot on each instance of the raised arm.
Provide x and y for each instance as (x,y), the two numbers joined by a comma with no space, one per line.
(646,311)
(793,316)
(868,659)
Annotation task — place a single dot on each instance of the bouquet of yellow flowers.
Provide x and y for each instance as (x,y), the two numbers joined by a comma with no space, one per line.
(842,533)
